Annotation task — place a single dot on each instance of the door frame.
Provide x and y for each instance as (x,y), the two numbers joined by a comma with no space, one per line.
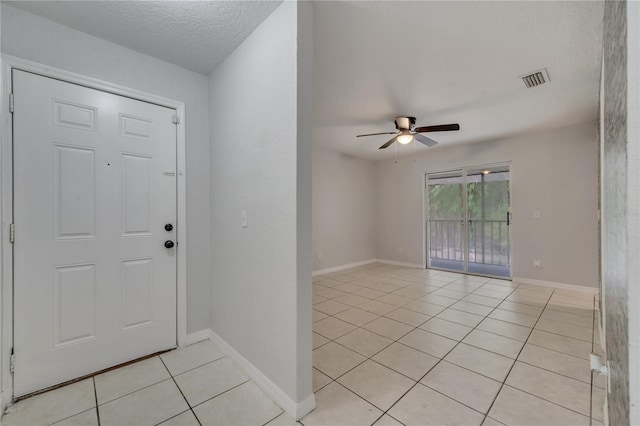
(9,63)
(425,213)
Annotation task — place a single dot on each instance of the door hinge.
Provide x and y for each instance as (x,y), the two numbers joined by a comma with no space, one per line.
(12,233)
(175,119)
(11,102)
(12,363)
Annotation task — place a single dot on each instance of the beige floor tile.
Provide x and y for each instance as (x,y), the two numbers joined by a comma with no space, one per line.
(317,315)
(467,387)
(394,299)
(491,422)
(507,329)
(376,383)
(377,307)
(424,307)
(430,343)
(514,407)
(449,293)
(387,420)
(472,308)
(514,317)
(482,300)
(557,362)
(331,307)
(356,316)
(369,293)
(351,299)
(459,317)
(335,405)
(561,390)
(411,292)
(335,360)
(332,328)
(423,406)
(122,381)
(52,406)
(534,311)
(482,362)
(327,292)
(211,379)
(364,342)
(319,340)
(446,328)
(408,361)
(569,318)
(564,329)
(86,418)
(350,287)
(192,356)
(320,380)
(526,300)
(388,328)
(160,401)
(492,293)
(408,317)
(328,282)
(556,342)
(434,299)
(317,299)
(570,309)
(494,343)
(283,420)
(241,406)
(184,419)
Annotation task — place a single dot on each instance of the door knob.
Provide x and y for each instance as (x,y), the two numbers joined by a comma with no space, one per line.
(168,227)
(168,244)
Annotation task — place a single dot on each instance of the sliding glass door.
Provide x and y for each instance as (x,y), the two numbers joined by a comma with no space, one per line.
(468,220)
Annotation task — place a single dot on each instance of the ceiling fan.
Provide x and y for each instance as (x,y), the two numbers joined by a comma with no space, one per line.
(407,132)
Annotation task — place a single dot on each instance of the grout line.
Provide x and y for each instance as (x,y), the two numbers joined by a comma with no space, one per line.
(173,417)
(95,395)
(181,393)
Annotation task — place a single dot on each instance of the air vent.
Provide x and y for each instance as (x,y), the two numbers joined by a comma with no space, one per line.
(536,78)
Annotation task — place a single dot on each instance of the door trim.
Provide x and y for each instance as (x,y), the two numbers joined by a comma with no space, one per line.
(9,63)
(425,211)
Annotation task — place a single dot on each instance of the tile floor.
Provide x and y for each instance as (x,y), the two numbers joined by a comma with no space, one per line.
(397,346)
(392,346)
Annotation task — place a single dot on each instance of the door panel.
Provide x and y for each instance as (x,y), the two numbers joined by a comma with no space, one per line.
(94,285)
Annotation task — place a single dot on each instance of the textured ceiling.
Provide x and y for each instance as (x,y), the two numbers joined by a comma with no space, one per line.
(197,35)
(442,62)
(448,62)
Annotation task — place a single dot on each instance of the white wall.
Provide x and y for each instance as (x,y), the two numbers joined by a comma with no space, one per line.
(261,275)
(554,172)
(343,209)
(37,39)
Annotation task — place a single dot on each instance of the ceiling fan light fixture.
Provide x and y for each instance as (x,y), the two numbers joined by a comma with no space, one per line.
(405,138)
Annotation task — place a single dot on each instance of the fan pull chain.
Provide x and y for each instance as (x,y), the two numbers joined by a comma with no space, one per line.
(396,145)
(414,150)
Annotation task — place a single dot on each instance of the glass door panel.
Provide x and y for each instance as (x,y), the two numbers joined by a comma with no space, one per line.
(445,234)
(487,203)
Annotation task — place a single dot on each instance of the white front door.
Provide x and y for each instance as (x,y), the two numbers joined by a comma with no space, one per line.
(94,187)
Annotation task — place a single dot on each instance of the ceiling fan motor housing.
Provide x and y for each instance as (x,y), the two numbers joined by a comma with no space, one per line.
(405,123)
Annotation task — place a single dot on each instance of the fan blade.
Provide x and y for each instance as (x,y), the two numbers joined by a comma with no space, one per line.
(374,134)
(439,128)
(386,145)
(425,140)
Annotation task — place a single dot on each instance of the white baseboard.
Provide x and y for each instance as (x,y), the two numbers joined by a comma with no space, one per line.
(295,410)
(197,336)
(342,267)
(397,263)
(583,289)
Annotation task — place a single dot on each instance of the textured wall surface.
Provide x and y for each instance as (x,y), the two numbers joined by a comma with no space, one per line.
(615,209)
(256,302)
(554,172)
(343,209)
